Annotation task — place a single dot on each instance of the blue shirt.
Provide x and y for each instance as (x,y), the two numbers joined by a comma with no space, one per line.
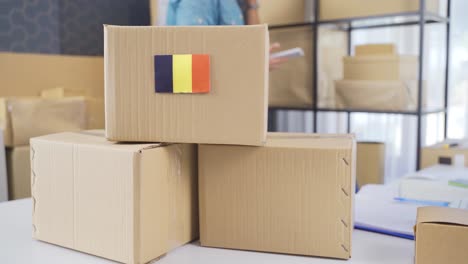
(204,12)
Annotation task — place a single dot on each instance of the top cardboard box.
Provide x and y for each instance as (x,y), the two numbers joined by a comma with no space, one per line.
(232,111)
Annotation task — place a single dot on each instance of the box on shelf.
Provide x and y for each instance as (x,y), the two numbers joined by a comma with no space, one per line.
(377,95)
(126,202)
(375,49)
(26,74)
(280,12)
(342,9)
(370,165)
(449,152)
(441,235)
(230,109)
(294,195)
(380,68)
(19,172)
(22,118)
(55,76)
(291,83)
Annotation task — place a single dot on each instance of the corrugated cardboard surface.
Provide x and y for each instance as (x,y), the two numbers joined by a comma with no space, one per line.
(380,67)
(370,168)
(23,118)
(233,112)
(441,236)
(295,195)
(129,203)
(290,85)
(339,9)
(277,12)
(431,155)
(26,74)
(19,172)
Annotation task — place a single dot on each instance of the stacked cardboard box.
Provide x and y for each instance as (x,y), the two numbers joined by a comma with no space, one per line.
(378,79)
(43,94)
(133,202)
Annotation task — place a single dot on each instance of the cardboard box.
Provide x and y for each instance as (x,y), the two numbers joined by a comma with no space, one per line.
(19,172)
(380,68)
(449,152)
(26,74)
(280,12)
(441,236)
(128,203)
(376,49)
(233,111)
(94,105)
(55,76)
(294,195)
(377,95)
(370,167)
(23,118)
(291,84)
(342,9)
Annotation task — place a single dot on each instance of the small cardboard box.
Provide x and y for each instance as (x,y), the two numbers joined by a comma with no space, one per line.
(128,203)
(22,118)
(19,172)
(441,236)
(55,76)
(280,12)
(290,84)
(370,167)
(342,9)
(380,68)
(449,152)
(294,195)
(375,49)
(377,95)
(231,110)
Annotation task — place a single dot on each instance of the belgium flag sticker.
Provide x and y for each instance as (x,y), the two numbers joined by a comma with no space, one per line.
(182,73)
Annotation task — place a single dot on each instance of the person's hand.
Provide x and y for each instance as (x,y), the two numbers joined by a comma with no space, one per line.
(276,63)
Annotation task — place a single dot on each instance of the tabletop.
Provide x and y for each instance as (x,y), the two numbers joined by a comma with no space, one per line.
(17,246)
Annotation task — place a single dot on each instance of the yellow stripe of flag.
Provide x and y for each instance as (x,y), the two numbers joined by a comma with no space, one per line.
(182,73)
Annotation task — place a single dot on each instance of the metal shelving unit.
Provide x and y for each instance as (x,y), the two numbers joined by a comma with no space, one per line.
(418,18)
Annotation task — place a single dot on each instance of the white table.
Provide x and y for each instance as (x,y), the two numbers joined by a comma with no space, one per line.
(3,171)
(17,246)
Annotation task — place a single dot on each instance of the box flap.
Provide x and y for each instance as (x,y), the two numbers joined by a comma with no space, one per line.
(95,138)
(442,215)
(304,140)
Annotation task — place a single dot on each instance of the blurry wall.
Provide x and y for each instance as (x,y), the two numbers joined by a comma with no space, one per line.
(64,26)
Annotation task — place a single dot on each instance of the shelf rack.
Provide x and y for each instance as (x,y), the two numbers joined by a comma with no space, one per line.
(419,18)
